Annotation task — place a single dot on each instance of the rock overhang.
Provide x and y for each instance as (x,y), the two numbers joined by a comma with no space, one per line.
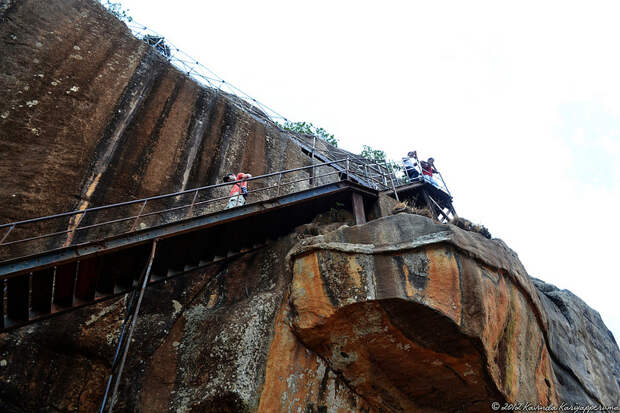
(451,297)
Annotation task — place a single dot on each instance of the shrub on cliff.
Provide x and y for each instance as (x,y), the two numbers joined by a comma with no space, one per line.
(308,128)
(467,225)
(379,157)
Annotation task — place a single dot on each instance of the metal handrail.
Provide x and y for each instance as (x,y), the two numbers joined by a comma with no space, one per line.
(156,197)
(377,176)
(74,229)
(442,186)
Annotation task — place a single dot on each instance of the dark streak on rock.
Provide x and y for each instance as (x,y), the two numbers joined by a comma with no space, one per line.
(193,140)
(458,376)
(128,105)
(415,273)
(147,150)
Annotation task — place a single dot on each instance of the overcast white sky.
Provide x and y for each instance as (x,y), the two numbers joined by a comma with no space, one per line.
(519,104)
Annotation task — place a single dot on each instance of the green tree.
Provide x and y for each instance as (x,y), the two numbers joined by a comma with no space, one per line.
(309,129)
(379,156)
(372,154)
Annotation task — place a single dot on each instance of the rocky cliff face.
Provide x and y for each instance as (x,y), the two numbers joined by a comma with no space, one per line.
(94,116)
(584,348)
(422,317)
(398,315)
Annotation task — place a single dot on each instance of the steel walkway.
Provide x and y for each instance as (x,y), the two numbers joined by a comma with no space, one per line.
(61,262)
(78,266)
(83,257)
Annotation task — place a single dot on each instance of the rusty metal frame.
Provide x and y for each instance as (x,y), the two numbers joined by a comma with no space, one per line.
(124,341)
(349,163)
(59,256)
(354,170)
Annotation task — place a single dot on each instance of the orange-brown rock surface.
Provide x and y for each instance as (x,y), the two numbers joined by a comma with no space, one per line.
(399,315)
(422,317)
(90,115)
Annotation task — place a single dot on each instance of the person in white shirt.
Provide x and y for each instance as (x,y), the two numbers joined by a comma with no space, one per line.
(410,163)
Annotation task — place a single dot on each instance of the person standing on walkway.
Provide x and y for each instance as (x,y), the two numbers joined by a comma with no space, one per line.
(410,166)
(428,169)
(239,190)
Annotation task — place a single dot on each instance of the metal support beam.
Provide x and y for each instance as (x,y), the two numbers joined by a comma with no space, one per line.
(451,208)
(124,341)
(440,209)
(7,233)
(20,265)
(429,203)
(392,182)
(358,208)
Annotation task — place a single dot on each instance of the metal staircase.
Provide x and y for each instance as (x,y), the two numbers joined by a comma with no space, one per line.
(57,263)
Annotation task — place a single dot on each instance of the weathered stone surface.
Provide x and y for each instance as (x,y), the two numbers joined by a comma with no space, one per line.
(420,316)
(215,341)
(401,314)
(94,116)
(297,379)
(587,363)
(390,316)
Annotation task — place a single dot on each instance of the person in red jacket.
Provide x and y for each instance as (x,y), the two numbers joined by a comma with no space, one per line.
(239,190)
(428,169)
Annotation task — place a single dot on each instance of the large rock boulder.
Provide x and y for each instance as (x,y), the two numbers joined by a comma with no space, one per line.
(217,340)
(587,359)
(91,115)
(419,316)
(399,315)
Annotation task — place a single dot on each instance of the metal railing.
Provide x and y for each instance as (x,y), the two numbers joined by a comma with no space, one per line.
(32,236)
(421,177)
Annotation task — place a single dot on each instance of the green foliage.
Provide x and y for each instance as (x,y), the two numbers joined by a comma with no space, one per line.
(117,10)
(379,157)
(372,154)
(309,129)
